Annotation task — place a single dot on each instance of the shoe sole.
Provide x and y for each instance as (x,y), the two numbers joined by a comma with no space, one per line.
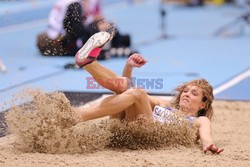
(97,40)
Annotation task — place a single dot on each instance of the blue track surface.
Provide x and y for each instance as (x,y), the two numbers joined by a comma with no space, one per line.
(189,52)
(239,91)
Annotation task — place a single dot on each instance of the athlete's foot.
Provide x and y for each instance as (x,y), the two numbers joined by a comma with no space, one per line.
(91,49)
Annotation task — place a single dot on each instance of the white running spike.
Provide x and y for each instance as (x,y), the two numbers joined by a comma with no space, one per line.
(97,40)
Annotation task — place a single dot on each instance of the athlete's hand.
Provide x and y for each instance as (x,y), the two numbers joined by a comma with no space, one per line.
(136,60)
(213,149)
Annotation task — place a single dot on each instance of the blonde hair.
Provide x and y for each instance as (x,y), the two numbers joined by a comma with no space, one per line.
(207,98)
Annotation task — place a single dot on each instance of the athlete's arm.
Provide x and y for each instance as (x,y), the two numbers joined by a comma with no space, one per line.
(135,60)
(205,136)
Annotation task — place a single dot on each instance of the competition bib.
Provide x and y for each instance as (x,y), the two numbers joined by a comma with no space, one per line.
(168,115)
(163,114)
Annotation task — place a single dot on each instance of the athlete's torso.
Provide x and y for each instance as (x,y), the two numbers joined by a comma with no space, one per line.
(168,115)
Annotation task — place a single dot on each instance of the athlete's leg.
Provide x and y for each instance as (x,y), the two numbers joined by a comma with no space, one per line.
(120,116)
(132,98)
(86,58)
(141,106)
(106,77)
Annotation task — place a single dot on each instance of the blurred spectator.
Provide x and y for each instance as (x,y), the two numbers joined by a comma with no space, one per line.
(65,29)
(95,21)
(71,23)
(121,43)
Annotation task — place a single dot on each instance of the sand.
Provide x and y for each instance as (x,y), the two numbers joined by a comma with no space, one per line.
(230,131)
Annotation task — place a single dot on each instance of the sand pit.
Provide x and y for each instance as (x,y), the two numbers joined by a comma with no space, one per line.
(56,143)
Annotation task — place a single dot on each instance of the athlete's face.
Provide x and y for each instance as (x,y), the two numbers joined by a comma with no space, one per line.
(191,100)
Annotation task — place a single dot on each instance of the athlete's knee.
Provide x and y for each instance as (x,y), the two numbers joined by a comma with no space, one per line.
(138,94)
(121,85)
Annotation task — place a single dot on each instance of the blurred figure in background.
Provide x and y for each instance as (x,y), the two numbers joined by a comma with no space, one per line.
(191,3)
(65,29)
(95,21)
(71,23)
(2,67)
